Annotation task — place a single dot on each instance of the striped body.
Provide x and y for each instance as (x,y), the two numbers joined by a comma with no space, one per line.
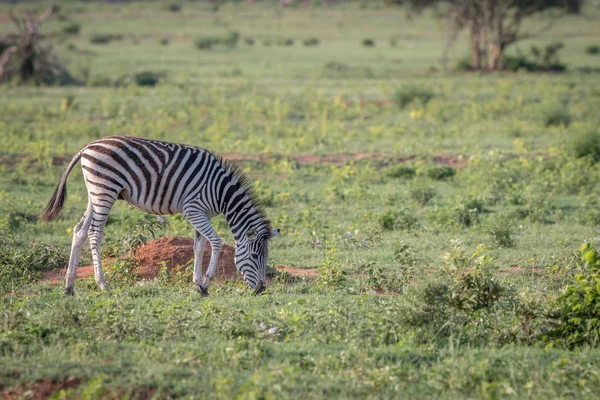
(168,178)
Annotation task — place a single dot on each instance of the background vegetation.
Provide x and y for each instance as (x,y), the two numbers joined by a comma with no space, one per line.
(445,212)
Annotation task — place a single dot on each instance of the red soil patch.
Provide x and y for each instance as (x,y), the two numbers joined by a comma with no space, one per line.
(39,390)
(175,251)
(532,269)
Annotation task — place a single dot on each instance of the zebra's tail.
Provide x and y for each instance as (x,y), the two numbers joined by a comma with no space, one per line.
(60,193)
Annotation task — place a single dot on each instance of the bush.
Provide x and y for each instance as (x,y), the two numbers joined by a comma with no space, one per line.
(422,195)
(164,41)
(402,219)
(205,43)
(174,7)
(593,50)
(311,42)
(71,29)
(147,78)
(501,231)
(578,309)
(286,42)
(368,43)
(249,41)
(402,171)
(405,95)
(231,39)
(556,114)
(440,172)
(104,38)
(587,145)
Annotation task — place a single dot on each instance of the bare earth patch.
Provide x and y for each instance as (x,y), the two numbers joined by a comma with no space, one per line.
(175,252)
(41,389)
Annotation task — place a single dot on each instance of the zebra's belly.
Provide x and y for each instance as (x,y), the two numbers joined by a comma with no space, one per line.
(148,206)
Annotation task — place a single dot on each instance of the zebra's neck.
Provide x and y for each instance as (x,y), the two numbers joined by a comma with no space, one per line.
(240,206)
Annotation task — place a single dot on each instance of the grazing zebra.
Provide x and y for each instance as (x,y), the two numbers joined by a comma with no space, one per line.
(168,178)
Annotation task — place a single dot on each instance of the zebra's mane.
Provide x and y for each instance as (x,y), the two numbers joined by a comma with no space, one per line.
(244,182)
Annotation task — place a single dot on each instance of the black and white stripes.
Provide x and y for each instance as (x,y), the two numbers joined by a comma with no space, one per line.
(168,178)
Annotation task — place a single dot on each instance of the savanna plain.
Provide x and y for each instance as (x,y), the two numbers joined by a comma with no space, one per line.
(447,221)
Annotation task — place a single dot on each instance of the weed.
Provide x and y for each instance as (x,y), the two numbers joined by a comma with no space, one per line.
(501,231)
(406,95)
(311,42)
(439,172)
(205,43)
(402,171)
(368,43)
(72,28)
(174,7)
(587,145)
(556,114)
(330,271)
(592,49)
(104,38)
(249,41)
(164,41)
(422,194)
(147,78)
(402,219)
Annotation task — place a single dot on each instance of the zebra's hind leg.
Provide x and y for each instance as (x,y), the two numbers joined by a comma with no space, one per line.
(201,223)
(199,244)
(79,235)
(98,222)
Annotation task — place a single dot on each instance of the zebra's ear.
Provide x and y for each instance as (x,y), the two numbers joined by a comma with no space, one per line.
(251,235)
(274,233)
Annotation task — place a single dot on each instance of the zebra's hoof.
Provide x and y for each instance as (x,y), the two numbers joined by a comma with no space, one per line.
(69,291)
(203,290)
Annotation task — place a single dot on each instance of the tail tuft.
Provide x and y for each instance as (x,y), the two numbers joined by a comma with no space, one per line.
(56,201)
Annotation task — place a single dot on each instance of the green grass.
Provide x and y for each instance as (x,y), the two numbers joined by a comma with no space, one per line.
(387,314)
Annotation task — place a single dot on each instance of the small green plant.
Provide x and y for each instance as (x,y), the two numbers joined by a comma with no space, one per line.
(104,38)
(174,7)
(556,115)
(439,172)
(402,219)
(164,41)
(382,280)
(422,194)
(286,42)
(501,231)
(368,42)
(330,271)
(578,309)
(231,39)
(404,254)
(147,78)
(405,95)
(249,41)
(402,171)
(592,50)
(205,43)
(587,145)
(311,42)
(72,28)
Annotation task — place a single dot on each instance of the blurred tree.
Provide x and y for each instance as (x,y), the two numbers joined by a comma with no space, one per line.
(497,23)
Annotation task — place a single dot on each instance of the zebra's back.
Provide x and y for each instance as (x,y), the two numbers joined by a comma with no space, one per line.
(151,175)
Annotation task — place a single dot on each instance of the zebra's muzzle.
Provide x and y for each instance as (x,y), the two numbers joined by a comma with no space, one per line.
(260,287)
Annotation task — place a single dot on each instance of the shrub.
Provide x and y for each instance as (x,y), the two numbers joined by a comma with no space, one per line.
(440,172)
(587,145)
(593,50)
(72,29)
(405,95)
(164,41)
(249,41)
(104,38)
(401,219)
(311,42)
(368,43)
(330,271)
(147,78)
(174,7)
(231,39)
(205,43)
(501,231)
(578,309)
(464,64)
(556,114)
(402,171)
(422,195)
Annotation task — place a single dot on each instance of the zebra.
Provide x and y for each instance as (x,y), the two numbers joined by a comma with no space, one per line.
(168,178)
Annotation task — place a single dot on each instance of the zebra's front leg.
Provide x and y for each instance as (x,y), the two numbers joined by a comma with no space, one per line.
(201,223)
(199,244)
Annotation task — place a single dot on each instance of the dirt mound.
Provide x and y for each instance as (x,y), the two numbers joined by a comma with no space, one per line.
(176,251)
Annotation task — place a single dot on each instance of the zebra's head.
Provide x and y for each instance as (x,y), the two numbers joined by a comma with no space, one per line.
(251,254)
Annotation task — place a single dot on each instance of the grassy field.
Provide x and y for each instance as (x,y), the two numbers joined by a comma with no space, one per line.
(443,211)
